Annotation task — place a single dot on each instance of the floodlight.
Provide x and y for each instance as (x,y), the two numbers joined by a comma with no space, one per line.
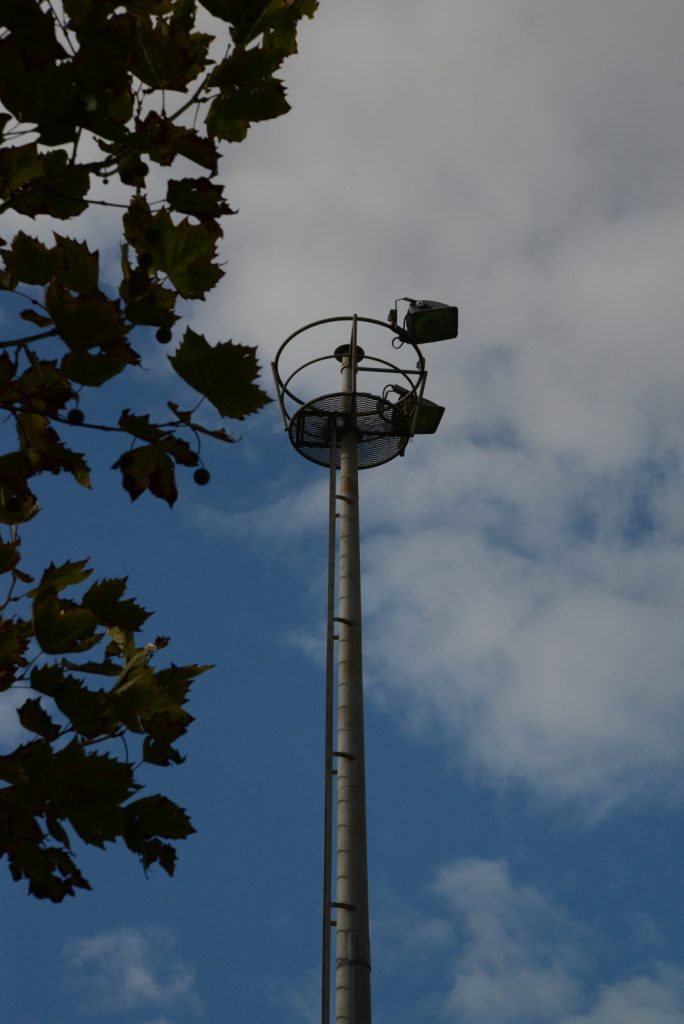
(429,413)
(430,321)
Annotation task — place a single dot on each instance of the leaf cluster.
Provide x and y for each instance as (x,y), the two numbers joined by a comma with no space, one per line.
(93,94)
(74,776)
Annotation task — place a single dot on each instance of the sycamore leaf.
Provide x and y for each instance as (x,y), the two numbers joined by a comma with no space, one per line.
(167,56)
(18,504)
(140,427)
(84,321)
(42,388)
(45,452)
(90,712)
(105,599)
(9,555)
(62,627)
(13,645)
(245,67)
(57,191)
(30,260)
(57,577)
(19,166)
(148,467)
(199,150)
(223,373)
(77,268)
(231,113)
(35,718)
(159,816)
(93,369)
(199,197)
(186,253)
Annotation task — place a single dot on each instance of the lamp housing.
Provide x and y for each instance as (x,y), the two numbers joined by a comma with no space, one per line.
(430,321)
(429,414)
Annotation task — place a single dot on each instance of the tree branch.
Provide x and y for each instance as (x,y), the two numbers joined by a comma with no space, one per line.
(29,338)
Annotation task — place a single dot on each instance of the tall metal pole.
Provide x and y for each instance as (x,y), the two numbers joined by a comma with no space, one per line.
(329,730)
(352,967)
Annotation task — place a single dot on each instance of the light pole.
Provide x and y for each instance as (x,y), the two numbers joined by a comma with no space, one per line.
(347,430)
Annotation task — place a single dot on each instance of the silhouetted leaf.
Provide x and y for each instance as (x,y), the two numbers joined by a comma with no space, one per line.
(58,190)
(198,197)
(186,252)
(57,577)
(94,369)
(223,373)
(84,321)
(30,260)
(168,57)
(77,267)
(62,627)
(148,467)
(35,718)
(105,599)
(231,113)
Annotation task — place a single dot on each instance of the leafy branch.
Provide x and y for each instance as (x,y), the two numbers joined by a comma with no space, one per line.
(80,76)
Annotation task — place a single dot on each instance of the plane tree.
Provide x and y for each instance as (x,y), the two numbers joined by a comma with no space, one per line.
(125,105)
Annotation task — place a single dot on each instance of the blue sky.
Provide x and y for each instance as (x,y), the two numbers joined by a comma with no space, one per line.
(523,568)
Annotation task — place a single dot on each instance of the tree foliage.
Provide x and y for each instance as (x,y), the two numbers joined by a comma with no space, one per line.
(99,99)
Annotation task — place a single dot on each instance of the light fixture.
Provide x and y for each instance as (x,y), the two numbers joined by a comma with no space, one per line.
(429,413)
(430,321)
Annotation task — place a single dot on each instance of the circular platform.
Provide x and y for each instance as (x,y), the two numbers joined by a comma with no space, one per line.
(382,429)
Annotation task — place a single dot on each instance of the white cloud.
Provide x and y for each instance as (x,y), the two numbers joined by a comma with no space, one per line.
(656,998)
(127,969)
(516,963)
(513,956)
(523,574)
(529,626)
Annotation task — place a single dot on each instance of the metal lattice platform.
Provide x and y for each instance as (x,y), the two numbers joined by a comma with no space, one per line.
(382,429)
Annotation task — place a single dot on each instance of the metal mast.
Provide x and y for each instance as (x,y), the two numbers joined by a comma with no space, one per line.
(352,962)
(348,430)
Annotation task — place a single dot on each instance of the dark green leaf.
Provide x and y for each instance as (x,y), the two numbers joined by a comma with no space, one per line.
(198,197)
(84,321)
(244,67)
(231,114)
(77,267)
(140,427)
(223,373)
(186,253)
(30,260)
(45,451)
(105,599)
(148,467)
(90,712)
(92,370)
(199,150)
(159,816)
(61,627)
(18,504)
(9,555)
(57,191)
(19,166)
(35,718)
(13,645)
(57,577)
(167,56)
